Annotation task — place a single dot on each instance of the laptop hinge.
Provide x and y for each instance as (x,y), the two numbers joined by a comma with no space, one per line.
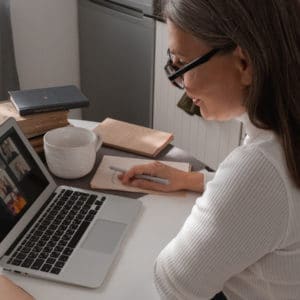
(26,229)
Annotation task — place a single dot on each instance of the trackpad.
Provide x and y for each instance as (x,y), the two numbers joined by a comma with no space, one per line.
(104,236)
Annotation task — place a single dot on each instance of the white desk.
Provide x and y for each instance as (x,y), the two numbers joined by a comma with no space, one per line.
(131,277)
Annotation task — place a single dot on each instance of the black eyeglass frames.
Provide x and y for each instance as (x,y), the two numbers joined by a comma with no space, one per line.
(175,74)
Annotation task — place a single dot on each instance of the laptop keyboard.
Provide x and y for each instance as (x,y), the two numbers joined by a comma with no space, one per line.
(52,240)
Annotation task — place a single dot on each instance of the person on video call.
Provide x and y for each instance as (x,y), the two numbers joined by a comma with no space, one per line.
(8,151)
(243,234)
(5,187)
(21,168)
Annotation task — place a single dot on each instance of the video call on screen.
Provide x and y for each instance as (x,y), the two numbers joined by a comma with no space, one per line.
(21,181)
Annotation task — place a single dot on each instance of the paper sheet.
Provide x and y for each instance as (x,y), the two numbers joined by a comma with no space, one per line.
(105,178)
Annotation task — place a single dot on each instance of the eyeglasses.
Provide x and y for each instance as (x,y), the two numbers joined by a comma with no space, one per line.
(175,74)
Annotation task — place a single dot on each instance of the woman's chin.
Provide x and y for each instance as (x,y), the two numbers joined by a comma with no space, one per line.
(200,103)
(205,113)
(197,102)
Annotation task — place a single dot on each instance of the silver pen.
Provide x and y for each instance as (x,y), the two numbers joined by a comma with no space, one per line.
(143,176)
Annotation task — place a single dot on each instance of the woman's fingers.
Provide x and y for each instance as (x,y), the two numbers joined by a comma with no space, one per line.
(149,185)
(156,169)
(148,169)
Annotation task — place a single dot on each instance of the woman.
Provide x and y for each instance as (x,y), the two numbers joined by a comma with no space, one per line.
(237,59)
(10,291)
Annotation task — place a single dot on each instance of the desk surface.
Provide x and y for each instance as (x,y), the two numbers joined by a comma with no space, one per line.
(131,276)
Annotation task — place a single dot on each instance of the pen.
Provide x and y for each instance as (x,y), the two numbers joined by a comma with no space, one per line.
(143,176)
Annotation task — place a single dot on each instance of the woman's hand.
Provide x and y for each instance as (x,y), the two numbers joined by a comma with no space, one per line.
(10,291)
(178,180)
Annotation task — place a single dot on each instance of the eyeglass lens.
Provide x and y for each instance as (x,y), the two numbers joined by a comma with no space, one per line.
(171,69)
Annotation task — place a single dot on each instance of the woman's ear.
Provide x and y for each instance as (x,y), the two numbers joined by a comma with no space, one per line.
(244,65)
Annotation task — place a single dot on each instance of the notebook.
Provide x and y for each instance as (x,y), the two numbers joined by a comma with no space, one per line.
(47,99)
(106,178)
(54,232)
(133,138)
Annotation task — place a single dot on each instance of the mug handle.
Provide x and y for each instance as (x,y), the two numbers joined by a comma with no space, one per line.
(98,142)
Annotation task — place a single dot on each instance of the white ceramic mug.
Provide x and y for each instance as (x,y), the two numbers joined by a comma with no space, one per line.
(71,151)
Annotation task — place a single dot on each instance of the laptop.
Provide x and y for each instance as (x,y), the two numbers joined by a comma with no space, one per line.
(55,232)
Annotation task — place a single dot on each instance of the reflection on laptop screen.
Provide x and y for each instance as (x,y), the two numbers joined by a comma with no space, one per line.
(21,181)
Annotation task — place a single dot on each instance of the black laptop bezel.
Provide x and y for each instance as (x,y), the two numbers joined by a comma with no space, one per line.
(39,201)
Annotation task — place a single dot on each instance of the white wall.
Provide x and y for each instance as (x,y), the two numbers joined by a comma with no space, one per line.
(46,43)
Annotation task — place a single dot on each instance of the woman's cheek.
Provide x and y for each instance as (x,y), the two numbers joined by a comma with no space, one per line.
(192,87)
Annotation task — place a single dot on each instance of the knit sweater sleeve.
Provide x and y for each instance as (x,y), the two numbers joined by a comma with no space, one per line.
(241,216)
(208,176)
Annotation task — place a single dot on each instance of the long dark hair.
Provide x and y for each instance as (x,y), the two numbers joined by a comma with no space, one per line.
(269,31)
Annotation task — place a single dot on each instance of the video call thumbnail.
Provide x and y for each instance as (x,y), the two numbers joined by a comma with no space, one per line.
(21,180)
(11,160)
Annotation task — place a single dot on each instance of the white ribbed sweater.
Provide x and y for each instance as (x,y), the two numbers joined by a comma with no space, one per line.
(243,234)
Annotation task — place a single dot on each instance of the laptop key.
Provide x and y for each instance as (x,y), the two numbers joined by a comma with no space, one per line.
(63,227)
(87,206)
(34,238)
(69,218)
(26,250)
(79,218)
(68,251)
(37,248)
(70,231)
(27,262)
(32,254)
(63,258)
(55,270)
(91,199)
(14,254)
(55,238)
(16,262)
(89,218)
(55,254)
(21,256)
(84,210)
(68,193)
(29,244)
(62,243)
(38,233)
(60,264)
(74,197)
(37,264)
(48,248)
(58,248)
(82,228)
(50,261)
(98,202)
(46,268)
(66,237)
(74,226)
(44,255)
(43,227)
(41,243)
(53,227)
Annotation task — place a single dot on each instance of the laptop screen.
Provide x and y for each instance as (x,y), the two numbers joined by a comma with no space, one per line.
(21,181)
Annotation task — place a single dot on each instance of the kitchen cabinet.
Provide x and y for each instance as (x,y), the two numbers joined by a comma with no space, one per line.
(208,141)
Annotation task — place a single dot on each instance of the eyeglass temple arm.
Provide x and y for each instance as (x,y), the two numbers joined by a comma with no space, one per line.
(194,63)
